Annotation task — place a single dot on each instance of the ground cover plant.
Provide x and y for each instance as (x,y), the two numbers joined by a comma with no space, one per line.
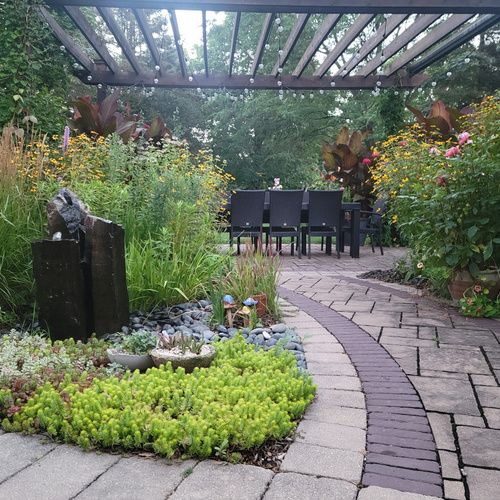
(245,398)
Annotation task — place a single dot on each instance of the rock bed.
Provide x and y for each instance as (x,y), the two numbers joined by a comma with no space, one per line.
(191,318)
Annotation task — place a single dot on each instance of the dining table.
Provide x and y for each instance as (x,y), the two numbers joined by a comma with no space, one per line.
(351,208)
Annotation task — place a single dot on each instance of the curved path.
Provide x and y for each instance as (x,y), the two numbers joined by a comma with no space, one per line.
(422,367)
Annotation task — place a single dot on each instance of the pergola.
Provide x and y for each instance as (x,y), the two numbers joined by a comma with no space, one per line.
(401,38)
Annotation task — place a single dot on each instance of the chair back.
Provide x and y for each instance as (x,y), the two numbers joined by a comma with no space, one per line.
(247,208)
(325,208)
(285,208)
(378,212)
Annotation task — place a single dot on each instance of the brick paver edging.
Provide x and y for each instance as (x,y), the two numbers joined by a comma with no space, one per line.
(401,453)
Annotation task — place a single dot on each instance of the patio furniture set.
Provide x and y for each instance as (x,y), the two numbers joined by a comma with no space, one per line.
(300,215)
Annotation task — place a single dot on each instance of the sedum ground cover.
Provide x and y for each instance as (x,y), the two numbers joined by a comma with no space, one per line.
(243,399)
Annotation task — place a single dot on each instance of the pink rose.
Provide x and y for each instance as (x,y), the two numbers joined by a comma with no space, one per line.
(366,161)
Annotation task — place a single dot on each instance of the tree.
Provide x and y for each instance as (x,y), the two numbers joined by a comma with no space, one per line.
(34,71)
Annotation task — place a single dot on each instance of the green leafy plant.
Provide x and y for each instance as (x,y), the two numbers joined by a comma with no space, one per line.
(139,342)
(476,302)
(101,119)
(347,162)
(443,195)
(255,273)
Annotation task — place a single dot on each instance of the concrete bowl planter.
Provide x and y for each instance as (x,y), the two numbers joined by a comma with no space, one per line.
(189,361)
(131,361)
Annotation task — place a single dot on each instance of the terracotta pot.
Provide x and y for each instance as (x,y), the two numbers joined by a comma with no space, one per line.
(131,361)
(261,306)
(459,282)
(188,361)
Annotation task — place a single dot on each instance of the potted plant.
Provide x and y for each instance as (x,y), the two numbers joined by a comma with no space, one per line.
(134,350)
(182,351)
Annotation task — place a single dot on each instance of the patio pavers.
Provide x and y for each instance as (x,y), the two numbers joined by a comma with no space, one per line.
(449,363)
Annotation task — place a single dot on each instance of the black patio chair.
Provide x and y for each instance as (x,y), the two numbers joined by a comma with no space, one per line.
(285,209)
(372,223)
(247,216)
(324,219)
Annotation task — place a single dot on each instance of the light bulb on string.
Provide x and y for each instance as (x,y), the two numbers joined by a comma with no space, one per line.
(267,46)
(344,72)
(321,91)
(246,91)
(280,70)
(433,84)
(311,95)
(62,48)
(294,95)
(157,68)
(99,85)
(190,78)
(252,80)
(155,81)
(302,96)
(261,66)
(396,92)
(277,20)
(280,52)
(420,89)
(379,83)
(467,60)
(382,58)
(75,65)
(280,96)
(358,55)
(280,28)
(449,73)
(280,83)
(198,89)
(332,84)
(89,78)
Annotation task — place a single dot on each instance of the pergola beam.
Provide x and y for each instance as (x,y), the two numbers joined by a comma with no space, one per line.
(436,35)
(67,41)
(178,46)
(355,29)
(266,28)
(148,36)
(304,6)
(297,29)
(88,32)
(321,35)
(234,40)
(110,21)
(267,82)
(374,41)
(453,43)
(420,24)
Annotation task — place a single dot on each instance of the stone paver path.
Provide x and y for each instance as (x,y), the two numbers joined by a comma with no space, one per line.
(446,376)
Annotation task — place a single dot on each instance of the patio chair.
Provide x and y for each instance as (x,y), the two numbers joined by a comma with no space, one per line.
(285,209)
(324,219)
(372,223)
(247,216)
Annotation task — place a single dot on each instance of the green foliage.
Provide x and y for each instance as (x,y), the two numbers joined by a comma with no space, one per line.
(243,399)
(255,272)
(477,303)
(31,66)
(27,362)
(447,189)
(139,342)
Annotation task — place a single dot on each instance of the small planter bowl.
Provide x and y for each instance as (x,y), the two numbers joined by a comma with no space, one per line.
(188,361)
(131,361)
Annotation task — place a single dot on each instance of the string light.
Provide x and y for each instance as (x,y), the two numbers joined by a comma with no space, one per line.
(252,80)
(89,78)
(157,68)
(155,81)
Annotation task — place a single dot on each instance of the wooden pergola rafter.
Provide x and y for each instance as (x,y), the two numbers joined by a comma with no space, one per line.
(361,58)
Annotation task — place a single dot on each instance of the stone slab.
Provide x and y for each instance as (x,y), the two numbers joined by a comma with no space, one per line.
(483,484)
(18,452)
(332,435)
(223,481)
(492,416)
(454,490)
(351,417)
(321,461)
(379,319)
(59,475)
(449,465)
(378,493)
(480,447)
(330,369)
(291,486)
(448,358)
(332,398)
(446,395)
(136,478)
(442,430)
(337,382)
(489,396)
